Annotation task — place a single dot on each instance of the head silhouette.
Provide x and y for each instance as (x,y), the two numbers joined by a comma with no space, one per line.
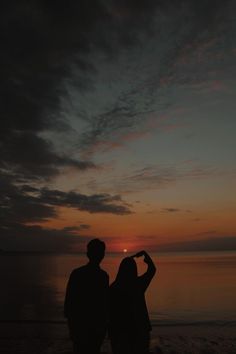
(127,272)
(96,251)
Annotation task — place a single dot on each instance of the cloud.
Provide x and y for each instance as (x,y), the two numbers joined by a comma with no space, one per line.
(43,39)
(41,43)
(19,205)
(19,237)
(24,205)
(156,177)
(48,47)
(141,80)
(39,38)
(218,243)
(96,203)
(56,55)
(32,157)
(75,229)
(119,141)
(174,210)
(170,210)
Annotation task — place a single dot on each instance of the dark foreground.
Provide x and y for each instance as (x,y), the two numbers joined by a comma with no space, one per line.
(40,338)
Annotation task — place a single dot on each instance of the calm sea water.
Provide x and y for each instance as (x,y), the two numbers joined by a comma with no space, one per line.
(188,288)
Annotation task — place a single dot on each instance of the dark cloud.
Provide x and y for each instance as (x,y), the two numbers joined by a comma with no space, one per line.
(97,203)
(28,204)
(175,210)
(218,243)
(19,237)
(32,157)
(19,205)
(22,205)
(75,229)
(170,210)
(40,39)
(43,44)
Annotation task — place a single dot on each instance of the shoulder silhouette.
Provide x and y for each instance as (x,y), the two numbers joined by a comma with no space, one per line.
(86,302)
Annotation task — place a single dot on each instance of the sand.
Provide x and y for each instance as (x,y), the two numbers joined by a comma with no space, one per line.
(194,340)
(42,338)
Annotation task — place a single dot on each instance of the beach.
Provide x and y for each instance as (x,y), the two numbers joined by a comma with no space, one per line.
(193,339)
(42,338)
(118,175)
(191,303)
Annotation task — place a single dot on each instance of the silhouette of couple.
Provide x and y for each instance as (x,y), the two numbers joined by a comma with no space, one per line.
(92,307)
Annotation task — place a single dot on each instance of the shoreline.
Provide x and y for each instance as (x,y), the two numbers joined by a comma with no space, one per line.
(166,323)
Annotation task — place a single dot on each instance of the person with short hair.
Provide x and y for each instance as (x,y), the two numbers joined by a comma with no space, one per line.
(86,302)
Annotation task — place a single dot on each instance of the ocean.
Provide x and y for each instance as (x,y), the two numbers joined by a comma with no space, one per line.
(189,288)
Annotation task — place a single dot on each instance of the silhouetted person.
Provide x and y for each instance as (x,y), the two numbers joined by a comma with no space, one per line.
(86,302)
(130,327)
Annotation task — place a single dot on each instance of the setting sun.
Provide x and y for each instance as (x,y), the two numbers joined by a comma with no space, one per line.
(125,250)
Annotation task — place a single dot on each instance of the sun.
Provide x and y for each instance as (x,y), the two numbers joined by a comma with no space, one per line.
(125,250)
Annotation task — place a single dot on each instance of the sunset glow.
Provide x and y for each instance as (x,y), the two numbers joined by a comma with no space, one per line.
(136,147)
(118,176)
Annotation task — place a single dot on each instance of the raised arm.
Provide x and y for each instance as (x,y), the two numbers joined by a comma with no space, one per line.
(146,278)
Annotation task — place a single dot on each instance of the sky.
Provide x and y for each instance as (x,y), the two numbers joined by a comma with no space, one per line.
(118,122)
